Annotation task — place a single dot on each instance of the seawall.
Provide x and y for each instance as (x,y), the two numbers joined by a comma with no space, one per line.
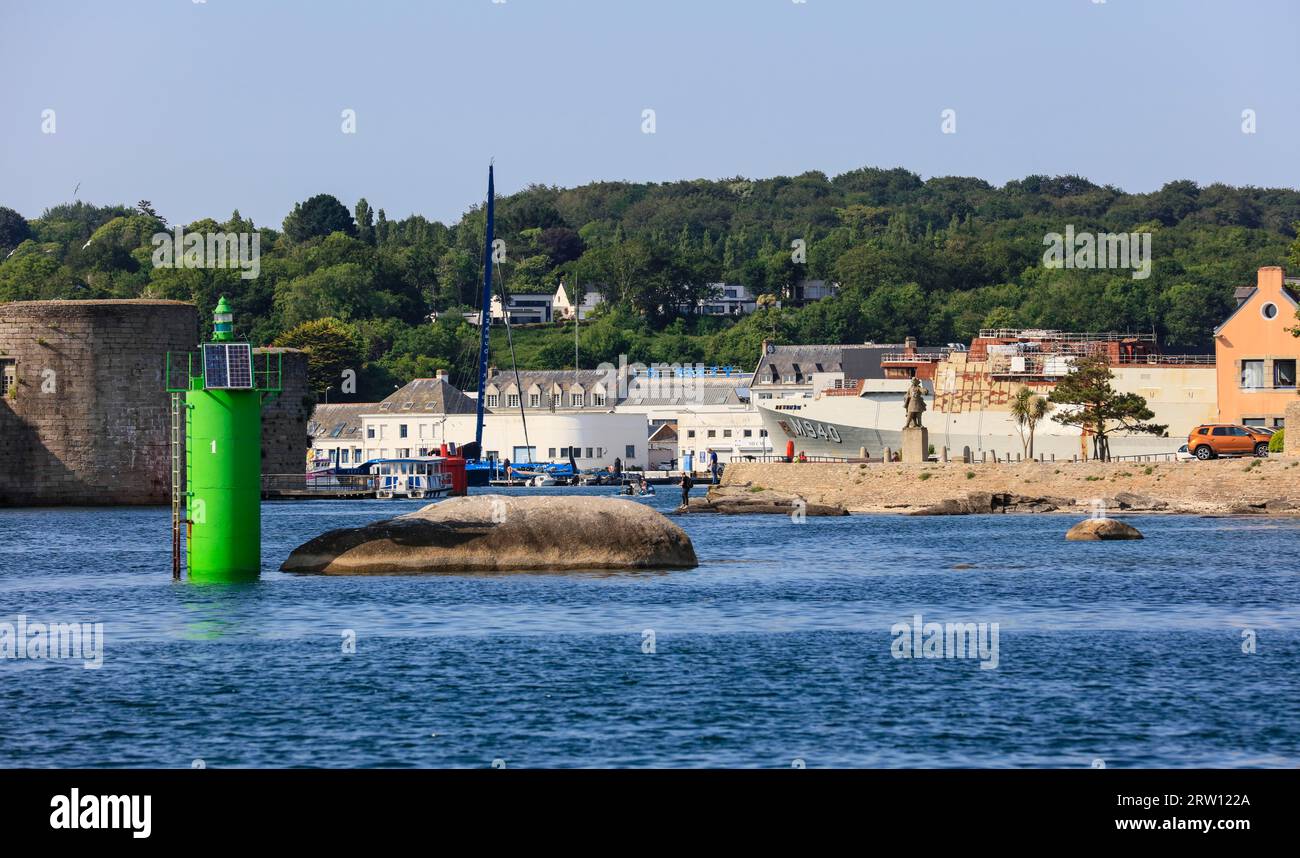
(1218,486)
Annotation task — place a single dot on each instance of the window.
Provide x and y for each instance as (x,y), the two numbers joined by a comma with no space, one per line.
(401,430)
(550,453)
(383,452)
(492,400)
(424,451)
(1269,310)
(1279,422)
(713,433)
(690,433)
(343,456)
(356,455)
(576,400)
(370,431)
(403,452)
(513,400)
(1253,421)
(1252,374)
(726,433)
(8,378)
(630,451)
(598,399)
(749,433)
(494,455)
(762,433)
(534,400)
(588,453)
(1284,373)
(525,454)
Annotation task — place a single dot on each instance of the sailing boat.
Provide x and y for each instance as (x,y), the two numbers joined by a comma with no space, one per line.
(480,471)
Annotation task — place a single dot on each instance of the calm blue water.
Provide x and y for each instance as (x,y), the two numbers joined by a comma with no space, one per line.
(778,647)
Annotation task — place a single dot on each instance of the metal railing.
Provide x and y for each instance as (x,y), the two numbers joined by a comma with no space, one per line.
(1155,360)
(1062,336)
(915,357)
(319,483)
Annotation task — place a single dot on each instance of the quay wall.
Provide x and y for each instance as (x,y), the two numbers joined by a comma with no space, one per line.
(1218,486)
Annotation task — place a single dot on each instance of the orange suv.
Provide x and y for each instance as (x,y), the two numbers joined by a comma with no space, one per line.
(1223,439)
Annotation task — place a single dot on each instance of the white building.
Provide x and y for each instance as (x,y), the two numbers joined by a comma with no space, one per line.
(735,435)
(727,299)
(419,417)
(564,308)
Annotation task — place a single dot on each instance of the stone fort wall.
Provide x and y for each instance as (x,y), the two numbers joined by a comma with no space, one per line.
(87,418)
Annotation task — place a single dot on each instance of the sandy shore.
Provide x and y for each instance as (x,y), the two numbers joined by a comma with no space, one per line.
(1222,486)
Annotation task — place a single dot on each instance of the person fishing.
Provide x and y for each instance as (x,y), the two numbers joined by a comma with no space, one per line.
(687,483)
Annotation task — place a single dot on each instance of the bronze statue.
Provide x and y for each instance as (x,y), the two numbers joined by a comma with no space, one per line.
(914,404)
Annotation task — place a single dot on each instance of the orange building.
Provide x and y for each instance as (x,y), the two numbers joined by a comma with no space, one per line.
(1256,354)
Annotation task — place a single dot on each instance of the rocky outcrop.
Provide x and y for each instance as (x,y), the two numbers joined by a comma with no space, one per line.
(1274,506)
(983,503)
(1136,502)
(495,533)
(1091,529)
(755,500)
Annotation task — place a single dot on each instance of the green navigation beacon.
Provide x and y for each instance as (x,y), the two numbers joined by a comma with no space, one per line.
(217,477)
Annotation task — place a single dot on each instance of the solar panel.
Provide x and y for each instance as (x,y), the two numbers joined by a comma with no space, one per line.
(239,357)
(214,365)
(228,366)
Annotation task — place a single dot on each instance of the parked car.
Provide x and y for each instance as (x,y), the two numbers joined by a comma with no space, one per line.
(1182,455)
(1212,440)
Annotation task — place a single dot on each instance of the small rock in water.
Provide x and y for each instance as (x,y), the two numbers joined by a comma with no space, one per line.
(1102,528)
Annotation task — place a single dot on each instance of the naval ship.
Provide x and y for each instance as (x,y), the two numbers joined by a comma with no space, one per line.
(847,401)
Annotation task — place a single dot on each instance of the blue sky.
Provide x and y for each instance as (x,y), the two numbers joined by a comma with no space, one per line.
(208,107)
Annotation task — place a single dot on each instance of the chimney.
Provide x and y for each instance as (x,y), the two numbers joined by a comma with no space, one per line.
(492,372)
(441,375)
(909,346)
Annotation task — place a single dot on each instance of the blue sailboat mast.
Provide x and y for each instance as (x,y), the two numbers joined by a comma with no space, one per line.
(485,316)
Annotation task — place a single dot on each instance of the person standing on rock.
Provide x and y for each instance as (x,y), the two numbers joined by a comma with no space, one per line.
(713,465)
(687,483)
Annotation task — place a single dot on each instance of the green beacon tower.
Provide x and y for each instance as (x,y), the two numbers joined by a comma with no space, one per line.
(217,483)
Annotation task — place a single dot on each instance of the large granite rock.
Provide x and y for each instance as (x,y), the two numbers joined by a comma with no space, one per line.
(1102,528)
(495,533)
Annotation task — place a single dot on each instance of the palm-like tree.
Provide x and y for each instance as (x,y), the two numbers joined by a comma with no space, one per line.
(1027,408)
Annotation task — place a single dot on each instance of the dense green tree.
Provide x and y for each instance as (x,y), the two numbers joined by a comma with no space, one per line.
(332,350)
(14,230)
(365,222)
(318,216)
